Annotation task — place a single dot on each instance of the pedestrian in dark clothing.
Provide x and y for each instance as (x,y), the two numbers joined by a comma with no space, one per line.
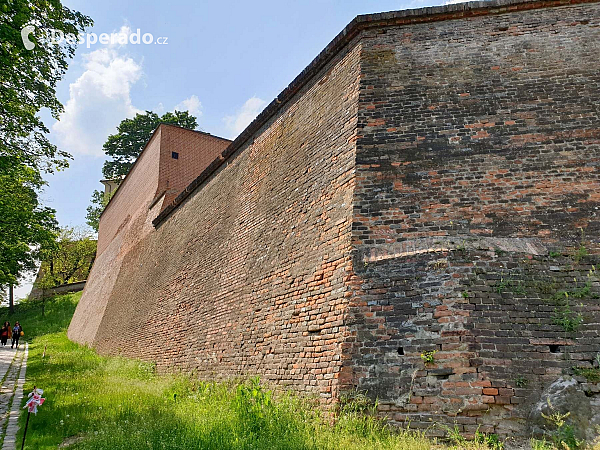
(17,332)
(4,333)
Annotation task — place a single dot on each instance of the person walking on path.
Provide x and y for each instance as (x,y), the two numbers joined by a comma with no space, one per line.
(17,332)
(9,330)
(4,333)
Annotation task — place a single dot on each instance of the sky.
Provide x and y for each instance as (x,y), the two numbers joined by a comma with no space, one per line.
(224,61)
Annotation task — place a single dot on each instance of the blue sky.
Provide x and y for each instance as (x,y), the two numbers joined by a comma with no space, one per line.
(224,60)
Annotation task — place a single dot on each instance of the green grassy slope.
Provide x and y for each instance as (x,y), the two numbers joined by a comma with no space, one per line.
(96,402)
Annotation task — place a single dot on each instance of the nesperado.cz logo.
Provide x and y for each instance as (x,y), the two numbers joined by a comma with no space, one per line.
(57,37)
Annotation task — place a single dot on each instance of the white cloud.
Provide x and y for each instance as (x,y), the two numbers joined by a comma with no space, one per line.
(192,105)
(98,100)
(101,98)
(452,2)
(235,124)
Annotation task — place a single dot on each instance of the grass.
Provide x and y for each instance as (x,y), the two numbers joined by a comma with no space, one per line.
(592,374)
(58,312)
(96,402)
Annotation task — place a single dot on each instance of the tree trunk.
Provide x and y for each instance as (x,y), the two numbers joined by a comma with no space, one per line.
(11,299)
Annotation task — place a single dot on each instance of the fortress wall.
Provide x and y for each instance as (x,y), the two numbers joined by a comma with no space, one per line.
(125,221)
(91,307)
(134,195)
(152,183)
(477,168)
(248,275)
(434,188)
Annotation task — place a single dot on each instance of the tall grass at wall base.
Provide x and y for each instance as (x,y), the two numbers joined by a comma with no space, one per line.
(96,402)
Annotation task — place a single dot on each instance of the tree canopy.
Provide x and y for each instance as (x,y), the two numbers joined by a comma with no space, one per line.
(94,211)
(26,227)
(28,79)
(127,143)
(68,261)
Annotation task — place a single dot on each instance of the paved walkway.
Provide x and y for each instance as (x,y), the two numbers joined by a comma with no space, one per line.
(13,364)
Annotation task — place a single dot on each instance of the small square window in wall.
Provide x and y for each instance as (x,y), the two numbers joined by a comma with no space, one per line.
(174,155)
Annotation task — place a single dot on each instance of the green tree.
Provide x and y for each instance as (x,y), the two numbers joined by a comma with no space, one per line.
(94,211)
(28,79)
(68,261)
(71,259)
(125,146)
(26,227)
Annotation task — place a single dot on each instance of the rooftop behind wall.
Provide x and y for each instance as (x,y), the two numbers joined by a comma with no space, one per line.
(195,151)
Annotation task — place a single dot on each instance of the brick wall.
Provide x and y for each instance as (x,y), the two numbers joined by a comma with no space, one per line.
(123,223)
(247,276)
(155,173)
(195,149)
(152,183)
(478,153)
(134,196)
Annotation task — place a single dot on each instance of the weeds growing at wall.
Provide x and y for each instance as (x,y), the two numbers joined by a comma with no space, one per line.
(565,317)
(591,374)
(428,357)
(521,382)
(491,441)
(563,434)
(511,284)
